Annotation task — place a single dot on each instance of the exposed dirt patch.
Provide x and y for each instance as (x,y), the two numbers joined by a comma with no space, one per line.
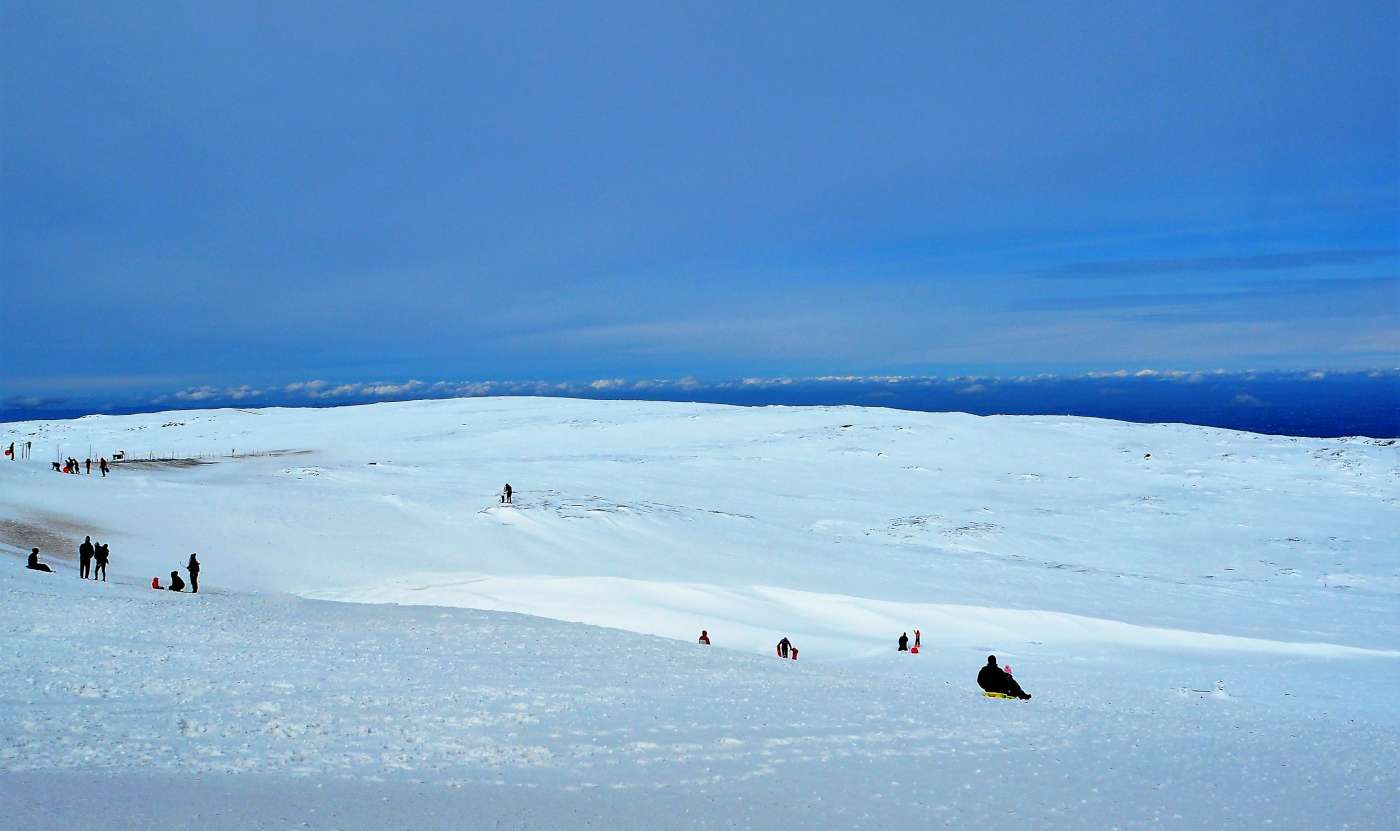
(57,537)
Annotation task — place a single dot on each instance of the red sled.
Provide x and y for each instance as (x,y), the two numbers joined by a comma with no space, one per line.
(913,650)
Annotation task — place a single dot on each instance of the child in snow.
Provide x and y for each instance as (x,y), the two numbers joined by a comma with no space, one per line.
(993,679)
(176,584)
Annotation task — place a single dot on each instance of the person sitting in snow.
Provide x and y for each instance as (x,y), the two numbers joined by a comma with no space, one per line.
(705,637)
(992,679)
(784,646)
(35,564)
(903,642)
(176,584)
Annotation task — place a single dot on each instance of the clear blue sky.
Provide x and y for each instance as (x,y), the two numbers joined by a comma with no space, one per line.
(239,193)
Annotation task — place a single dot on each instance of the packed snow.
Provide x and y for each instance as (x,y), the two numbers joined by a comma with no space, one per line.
(1207,620)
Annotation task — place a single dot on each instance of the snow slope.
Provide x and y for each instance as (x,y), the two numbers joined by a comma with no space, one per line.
(1115,584)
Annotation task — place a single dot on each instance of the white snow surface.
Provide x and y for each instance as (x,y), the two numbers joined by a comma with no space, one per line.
(1211,633)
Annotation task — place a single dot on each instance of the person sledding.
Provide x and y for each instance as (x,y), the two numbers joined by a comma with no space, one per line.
(994,680)
(34,563)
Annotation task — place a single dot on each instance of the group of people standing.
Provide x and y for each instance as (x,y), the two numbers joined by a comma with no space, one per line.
(71,465)
(92,562)
(92,559)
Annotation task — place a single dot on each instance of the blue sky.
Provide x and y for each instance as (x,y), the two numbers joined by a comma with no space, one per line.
(216,195)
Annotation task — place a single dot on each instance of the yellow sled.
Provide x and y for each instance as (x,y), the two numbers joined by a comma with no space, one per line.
(1001,695)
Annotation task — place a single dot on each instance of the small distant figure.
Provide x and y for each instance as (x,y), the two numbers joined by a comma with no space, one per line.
(85,552)
(176,584)
(34,563)
(1147,456)
(89,466)
(10,451)
(55,467)
(102,466)
(784,647)
(993,678)
(155,583)
(794,652)
(903,641)
(918,639)
(507,494)
(193,568)
(705,637)
(100,556)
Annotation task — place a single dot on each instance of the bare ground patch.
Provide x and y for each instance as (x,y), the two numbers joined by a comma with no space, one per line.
(55,536)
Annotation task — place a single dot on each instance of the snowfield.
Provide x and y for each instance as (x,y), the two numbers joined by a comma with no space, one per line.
(1210,631)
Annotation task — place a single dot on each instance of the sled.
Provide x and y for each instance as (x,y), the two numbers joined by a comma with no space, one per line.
(913,650)
(1000,695)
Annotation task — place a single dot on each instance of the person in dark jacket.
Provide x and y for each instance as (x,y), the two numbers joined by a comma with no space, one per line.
(705,637)
(85,552)
(992,679)
(784,646)
(35,564)
(102,465)
(176,584)
(100,556)
(903,641)
(193,568)
(507,494)
(88,463)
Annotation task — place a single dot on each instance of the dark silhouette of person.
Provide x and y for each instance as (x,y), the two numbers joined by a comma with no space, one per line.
(993,679)
(34,561)
(903,641)
(918,638)
(100,556)
(55,467)
(193,568)
(507,495)
(784,646)
(102,465)
(85,552)
(705,637)
(89,467)
(176,584)
(11,451)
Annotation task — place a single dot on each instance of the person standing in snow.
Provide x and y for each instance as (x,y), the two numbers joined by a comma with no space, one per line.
(903,641)
(88,462)
(34,563)
(783,646)
(193,568)
(991,678)
(100,556)
(918,639)
(507,494)
(85,552)
(176,584)
(102,466)
(704,637)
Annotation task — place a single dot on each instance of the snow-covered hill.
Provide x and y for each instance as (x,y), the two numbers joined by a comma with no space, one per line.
(1116,582)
